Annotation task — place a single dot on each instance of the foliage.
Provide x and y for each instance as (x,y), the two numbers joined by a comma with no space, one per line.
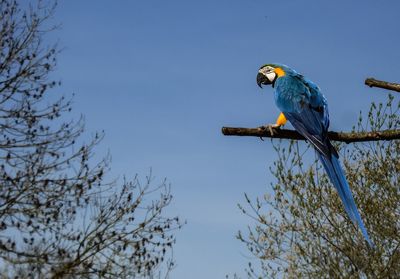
(302,231)
(58,216)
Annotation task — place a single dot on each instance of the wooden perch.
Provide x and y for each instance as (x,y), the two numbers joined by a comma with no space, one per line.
(290,134)
(371,82)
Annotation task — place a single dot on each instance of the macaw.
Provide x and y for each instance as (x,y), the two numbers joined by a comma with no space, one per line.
(302,103)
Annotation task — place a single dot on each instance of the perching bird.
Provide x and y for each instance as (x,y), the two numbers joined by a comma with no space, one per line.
(303,104)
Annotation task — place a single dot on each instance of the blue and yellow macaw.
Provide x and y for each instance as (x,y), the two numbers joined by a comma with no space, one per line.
(302,103)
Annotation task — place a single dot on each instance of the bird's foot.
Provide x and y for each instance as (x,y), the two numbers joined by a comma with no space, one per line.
(270,127)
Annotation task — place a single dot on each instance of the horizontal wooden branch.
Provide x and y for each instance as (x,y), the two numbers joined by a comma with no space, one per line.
(291,134)
(371,82)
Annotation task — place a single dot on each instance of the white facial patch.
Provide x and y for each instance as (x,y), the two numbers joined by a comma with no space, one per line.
(271,76)
(266,70)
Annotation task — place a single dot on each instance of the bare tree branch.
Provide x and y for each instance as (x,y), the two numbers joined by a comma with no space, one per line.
(59,217)
(371,82)
(291,134)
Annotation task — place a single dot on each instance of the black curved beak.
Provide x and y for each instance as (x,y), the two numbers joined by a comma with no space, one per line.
(262,79)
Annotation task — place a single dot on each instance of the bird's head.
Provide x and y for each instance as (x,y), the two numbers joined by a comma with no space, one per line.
(268,74)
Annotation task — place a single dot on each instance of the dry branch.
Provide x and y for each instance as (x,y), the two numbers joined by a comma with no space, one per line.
(371,82)
(290,134)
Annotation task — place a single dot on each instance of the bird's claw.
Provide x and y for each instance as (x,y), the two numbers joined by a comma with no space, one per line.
(270,127)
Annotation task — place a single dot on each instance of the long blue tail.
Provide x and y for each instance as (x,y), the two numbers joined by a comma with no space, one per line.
(336,175)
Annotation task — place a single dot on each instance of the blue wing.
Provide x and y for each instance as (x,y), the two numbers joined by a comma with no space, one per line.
(308,112)
(310,117)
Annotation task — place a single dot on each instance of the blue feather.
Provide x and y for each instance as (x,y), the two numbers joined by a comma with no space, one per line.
(336,175)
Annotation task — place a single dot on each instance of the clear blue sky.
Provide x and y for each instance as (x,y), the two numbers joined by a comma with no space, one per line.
(162,78)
